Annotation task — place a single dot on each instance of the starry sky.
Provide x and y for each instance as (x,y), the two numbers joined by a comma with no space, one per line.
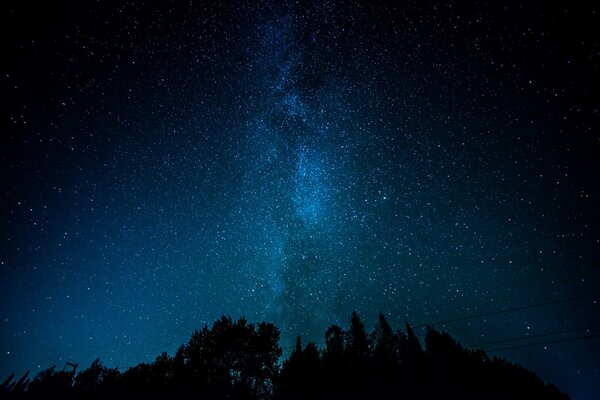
(163,164)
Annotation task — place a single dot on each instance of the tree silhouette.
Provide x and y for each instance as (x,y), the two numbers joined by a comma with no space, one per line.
(334,362)
(88,382)
(301,373)
(50,384)
(240,360)
(357,357)
(385,361)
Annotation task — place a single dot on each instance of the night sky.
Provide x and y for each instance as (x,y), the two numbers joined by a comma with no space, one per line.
(163,164)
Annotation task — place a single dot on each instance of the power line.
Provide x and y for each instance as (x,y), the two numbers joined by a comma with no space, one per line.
(497,312)
(515,339)
(507,310)
(546,342)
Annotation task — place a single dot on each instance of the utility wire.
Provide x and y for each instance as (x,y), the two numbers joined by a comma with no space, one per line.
(503,311)
(508,310)
(522,338)
(515,339)
(499,349)
(498,312)
(543,343)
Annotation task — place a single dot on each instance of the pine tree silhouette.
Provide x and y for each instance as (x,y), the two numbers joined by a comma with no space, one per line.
(240,360)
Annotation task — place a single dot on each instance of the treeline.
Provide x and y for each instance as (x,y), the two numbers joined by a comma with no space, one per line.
(240,360)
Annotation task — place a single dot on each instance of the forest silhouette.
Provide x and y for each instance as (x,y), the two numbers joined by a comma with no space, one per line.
(241,360)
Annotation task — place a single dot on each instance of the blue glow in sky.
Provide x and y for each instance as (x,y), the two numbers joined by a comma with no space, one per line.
(166,164)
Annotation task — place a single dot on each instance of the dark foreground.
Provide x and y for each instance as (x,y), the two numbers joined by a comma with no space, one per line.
(239,360)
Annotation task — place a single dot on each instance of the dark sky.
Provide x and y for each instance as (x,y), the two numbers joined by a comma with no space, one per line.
(163,164)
